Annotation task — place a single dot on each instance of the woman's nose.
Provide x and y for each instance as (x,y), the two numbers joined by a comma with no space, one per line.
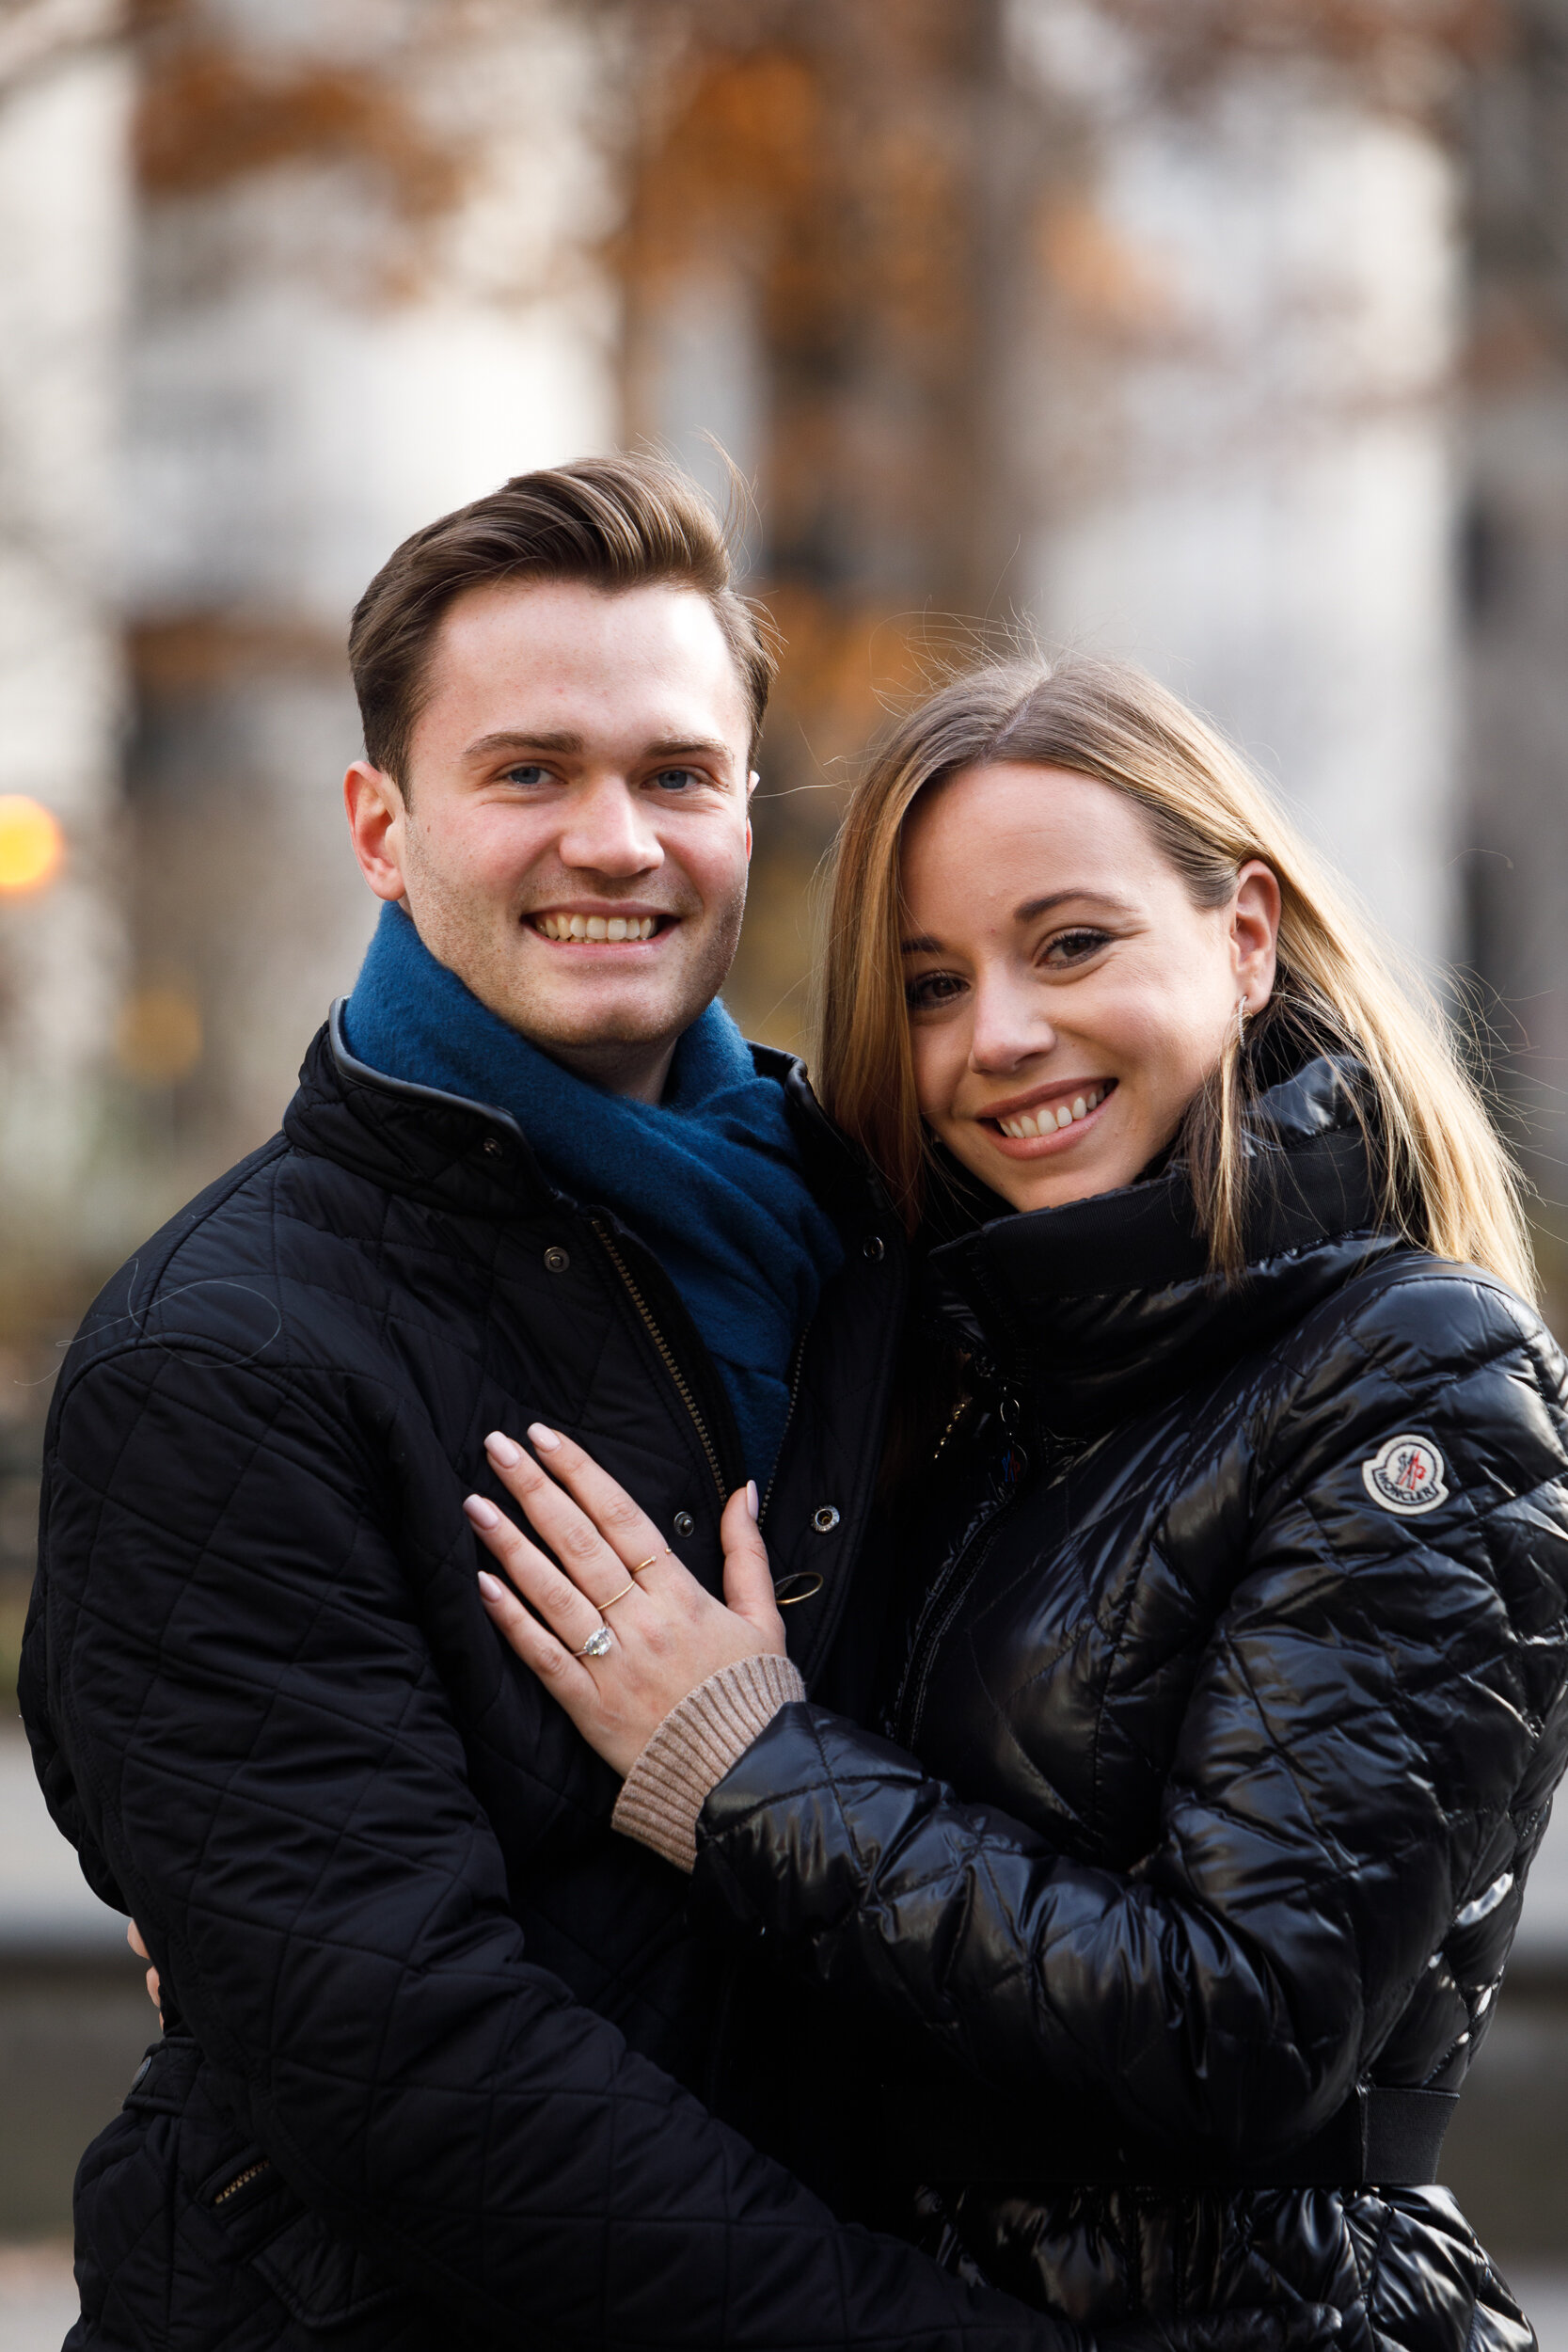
(608,831)
(1009,1026)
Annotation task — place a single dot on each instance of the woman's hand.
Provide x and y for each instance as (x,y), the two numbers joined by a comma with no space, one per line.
(617,1571)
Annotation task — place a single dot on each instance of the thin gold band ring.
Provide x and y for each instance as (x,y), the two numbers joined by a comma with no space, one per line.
(649,1562)
(620,1596)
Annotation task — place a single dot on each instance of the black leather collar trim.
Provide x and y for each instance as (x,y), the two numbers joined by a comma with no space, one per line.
(435,1098)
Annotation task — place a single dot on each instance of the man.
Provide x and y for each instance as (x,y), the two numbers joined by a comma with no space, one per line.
(435,2040)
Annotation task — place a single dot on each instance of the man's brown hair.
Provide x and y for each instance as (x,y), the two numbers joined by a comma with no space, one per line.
(613,522)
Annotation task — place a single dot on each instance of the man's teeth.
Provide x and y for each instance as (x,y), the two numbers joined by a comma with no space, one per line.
(598,926)
(1046,1121)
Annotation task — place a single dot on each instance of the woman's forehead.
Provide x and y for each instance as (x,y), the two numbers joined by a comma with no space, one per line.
(1019,833)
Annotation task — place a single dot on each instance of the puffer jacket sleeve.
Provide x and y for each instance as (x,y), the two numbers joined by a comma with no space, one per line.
(276,1787)
(1371,1742)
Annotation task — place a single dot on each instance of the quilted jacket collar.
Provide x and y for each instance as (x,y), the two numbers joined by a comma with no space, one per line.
(1095,1310)
(474,1157)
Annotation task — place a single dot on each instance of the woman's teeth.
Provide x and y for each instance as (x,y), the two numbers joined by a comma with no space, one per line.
(597,926)
(1046,1121)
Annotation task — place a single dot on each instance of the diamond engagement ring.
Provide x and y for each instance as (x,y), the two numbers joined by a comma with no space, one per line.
(598,1645)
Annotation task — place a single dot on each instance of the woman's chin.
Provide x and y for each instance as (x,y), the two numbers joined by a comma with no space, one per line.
(1042,1185)
(1028,1179)
(1053,1188)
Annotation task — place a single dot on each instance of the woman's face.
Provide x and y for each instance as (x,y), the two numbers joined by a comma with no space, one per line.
(1065,998)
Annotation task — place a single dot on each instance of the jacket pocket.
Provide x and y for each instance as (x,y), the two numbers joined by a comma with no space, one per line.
(321,2281)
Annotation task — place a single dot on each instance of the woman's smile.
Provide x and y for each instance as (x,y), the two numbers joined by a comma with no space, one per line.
(1047,1121)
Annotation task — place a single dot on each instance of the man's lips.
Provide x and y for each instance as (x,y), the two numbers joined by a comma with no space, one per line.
(601,926)
(1047,1117)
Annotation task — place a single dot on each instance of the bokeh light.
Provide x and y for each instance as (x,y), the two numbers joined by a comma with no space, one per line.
(31,843)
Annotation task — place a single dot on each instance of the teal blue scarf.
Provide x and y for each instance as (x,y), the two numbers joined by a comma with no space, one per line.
(709,1178)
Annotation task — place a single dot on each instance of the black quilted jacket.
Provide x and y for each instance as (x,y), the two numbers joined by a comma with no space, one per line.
(436,2021)
(1227,1718)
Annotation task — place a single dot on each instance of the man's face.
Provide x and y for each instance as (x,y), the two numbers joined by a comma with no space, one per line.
(575,841)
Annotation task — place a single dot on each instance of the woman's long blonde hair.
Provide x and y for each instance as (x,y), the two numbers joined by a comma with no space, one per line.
(1449,1184)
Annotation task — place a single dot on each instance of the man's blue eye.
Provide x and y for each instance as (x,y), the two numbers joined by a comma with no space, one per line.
(676,779)
(527,771)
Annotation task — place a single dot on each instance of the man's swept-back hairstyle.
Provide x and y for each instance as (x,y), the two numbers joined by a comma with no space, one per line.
(613,522)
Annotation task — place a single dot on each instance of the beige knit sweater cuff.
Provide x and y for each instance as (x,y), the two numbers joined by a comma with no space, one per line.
(694,1747)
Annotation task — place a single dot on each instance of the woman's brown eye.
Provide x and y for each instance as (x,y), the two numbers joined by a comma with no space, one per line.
(931,988)
(1072,946)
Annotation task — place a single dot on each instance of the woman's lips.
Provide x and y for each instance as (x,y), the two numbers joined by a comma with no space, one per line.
(1056,1124)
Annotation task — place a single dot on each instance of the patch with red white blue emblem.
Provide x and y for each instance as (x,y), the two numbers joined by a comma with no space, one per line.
(1406,1475)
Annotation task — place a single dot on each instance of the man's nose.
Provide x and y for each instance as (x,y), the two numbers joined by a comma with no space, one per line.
(1011,1025)
(607,831)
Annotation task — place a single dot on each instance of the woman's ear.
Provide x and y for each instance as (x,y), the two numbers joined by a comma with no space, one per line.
(1255,932)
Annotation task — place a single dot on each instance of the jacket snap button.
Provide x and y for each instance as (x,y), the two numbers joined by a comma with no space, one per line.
(685,1524)
(872,1246)
(493,1146)
(557,1260)
(826,1520)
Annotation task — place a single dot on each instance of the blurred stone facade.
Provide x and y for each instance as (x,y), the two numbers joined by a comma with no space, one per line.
(1144,324)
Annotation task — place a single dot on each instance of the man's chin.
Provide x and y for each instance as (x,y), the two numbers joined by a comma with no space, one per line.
(596,1018)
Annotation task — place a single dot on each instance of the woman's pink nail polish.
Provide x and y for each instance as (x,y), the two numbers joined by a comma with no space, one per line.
(545,1440)
(752,1496)
(482,1513)
(506,1451)
(491,1586)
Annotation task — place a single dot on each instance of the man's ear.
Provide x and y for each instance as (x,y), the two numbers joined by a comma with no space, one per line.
(752,781)
(376,819)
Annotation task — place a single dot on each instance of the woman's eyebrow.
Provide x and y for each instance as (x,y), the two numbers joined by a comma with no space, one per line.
(1032,909)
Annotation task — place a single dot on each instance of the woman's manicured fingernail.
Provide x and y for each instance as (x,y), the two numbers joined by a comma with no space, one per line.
(752,1496)
(545,1440)
(506,1451)
(491,1587)
(482,1513)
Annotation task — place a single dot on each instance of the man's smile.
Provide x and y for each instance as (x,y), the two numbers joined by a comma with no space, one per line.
(599,926)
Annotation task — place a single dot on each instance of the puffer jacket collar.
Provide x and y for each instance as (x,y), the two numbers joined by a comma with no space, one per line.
(1095,1310)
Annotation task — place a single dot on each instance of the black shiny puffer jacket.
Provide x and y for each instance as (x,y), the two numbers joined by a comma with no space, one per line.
(1238,1697)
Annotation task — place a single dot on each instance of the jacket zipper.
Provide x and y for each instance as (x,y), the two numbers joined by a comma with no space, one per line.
(931,1629)
(666,1354)
(796,1368)
(1058,1455)
(243,2179)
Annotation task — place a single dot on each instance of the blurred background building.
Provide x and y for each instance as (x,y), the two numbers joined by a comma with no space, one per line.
(1231,334)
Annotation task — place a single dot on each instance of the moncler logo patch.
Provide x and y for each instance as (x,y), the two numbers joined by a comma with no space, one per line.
(1406,1475)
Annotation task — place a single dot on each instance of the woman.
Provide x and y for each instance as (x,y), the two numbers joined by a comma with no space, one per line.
(1227,1681)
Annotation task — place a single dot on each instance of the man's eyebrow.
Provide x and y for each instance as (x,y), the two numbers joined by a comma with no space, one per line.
(509,739)
(688,747)
(514,740)
(1030,911)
